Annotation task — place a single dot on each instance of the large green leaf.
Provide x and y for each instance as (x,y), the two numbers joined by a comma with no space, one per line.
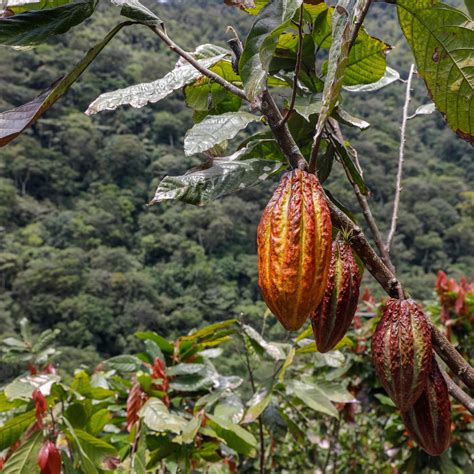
(261,43)
(214,129)
(21,6)
(234,435)
(140,95)
(312,397)
(136,11)
(343,24)
(123,363)
(256,405)
(261,345)
(391,75)
(193,377)
(13,122)
(442,41)
(157,417)
(87,465)
(216,178)
(14,428)
(22,387)
(25,459)
(95,448)
(34,27)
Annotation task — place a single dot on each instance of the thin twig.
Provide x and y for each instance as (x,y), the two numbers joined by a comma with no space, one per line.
(299,56)
(260,423)
(203,70)
(401,157)
(456,392)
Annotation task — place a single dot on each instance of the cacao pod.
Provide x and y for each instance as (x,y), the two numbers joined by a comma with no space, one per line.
(294,248)
(335,313)
(429,419)
(401,351)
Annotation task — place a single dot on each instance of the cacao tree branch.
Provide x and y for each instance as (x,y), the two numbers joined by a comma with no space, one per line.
(401,158)
(203,70)
(299,56)
(374,264)
(456,392)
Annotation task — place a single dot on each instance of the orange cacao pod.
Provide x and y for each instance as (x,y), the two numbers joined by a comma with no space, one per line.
(401,351)
(294,248)
(429,419)
(335,313)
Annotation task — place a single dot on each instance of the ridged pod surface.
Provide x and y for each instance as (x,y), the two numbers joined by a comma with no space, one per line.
(429,419)
(401,351)
(335,313)
(294,248)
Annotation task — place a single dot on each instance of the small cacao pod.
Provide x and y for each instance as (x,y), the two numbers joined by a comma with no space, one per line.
(294,248)
(401,351)
(335,313)
(429,419)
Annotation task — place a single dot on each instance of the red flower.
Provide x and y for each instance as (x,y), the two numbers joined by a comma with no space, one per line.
(49,459)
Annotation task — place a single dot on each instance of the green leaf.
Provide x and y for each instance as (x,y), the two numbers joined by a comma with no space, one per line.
(23,387)
(324,163)
(34,27)
(190,431)
(87,466)
(470,8)
(209,332)
(140,95)
(230,407)
(261,43)
(134,10)
(216,178)
(44,340)
(344,16)
(95,448)
(123,363)
(390,76)
(275,352)
(13,122)
(98,420)
(424,109)
(307,105)
(21,6)
(14,428)
(139,458)
(312,397)
(160,341)
(214,129)
(158,418)
(257,404)
(347,119)
(335,392)
(193,377)
(25,459)
(234,435)
(442,41)
(286,364)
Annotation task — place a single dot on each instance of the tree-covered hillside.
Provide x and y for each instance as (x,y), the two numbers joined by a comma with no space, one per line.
(81,252)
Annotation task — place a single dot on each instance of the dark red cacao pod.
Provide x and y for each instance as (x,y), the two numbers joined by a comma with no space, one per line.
(335,313)
(401,351)
(294,248)
(429,419)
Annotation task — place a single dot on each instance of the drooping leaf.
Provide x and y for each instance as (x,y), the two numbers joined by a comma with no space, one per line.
(234,435)
(139,459)
(157,417)
(22,6)
(214,129)
(286,364)
(14,428)
(312,397)
(257,404)
(98,420)
(23,386)
(34,27)
(230,407)
(307,105)
(219,177)
(347,119)
(140,95)
(390,76)
(25,459)
(87,465)
(343,20)
(190,431)
(261,43)
(13,122)
(425,109)
(442,41)
(134,10)
(160,341)
(275,352)
(95,448)
(193,377)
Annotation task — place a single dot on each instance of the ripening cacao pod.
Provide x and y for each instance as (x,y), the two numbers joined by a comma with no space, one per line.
(294,248)
(401,351)
(429,419)
(335,313)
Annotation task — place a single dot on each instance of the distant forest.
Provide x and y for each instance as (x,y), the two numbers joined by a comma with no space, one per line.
(81,252)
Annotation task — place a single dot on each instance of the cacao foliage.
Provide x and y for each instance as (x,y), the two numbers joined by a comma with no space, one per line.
(294,248)
(335,313)
(429,419)
(401,351)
